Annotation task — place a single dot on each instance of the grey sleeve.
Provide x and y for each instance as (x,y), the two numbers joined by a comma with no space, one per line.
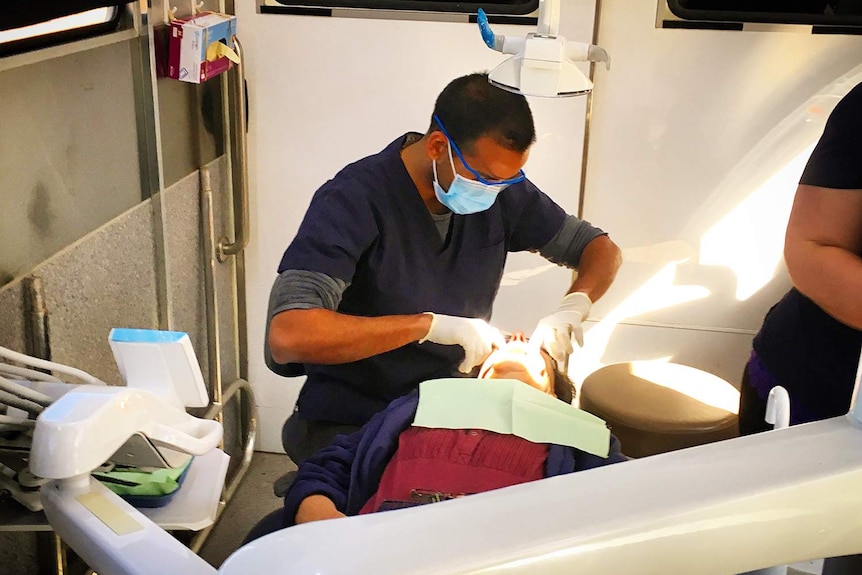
(299,289)
(566,247)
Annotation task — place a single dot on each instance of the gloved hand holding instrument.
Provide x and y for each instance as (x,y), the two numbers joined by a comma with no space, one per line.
(554,332)
(476,336)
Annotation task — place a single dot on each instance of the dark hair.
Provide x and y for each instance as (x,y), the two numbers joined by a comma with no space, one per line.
(564,389)
(471,107)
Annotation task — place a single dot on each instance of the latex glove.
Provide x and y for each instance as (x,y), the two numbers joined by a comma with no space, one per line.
(476,336)
(555,331)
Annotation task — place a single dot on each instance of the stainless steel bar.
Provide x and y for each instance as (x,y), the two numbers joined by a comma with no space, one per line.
(38,341)
(582,190)
(241,220)
(60,555)
(242,391)
(211,303)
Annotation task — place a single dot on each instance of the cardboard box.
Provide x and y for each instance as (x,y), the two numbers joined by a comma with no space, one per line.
(201,46)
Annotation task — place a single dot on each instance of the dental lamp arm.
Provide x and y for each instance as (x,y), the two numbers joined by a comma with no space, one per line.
(582,52)
(543,63)
(498,42)
(577,51)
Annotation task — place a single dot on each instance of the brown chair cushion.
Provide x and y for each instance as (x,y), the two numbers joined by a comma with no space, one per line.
(650,418)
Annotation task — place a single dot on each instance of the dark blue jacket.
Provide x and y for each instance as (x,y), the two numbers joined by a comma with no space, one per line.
(348,472)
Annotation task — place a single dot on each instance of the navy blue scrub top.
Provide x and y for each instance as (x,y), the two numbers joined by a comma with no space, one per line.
(369,227)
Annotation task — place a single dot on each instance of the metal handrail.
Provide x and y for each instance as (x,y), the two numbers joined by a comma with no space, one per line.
(211,303)
(236,389)
(241,220)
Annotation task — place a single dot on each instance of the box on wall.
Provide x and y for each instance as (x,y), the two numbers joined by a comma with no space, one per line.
(201,46)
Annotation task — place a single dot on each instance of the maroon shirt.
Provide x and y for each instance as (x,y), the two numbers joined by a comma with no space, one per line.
(456,462)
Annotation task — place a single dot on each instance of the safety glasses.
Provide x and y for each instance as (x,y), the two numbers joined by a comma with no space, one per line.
(519,178)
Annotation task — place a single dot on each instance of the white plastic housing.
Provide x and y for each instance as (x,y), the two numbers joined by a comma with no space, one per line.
(86,426)
(162,362)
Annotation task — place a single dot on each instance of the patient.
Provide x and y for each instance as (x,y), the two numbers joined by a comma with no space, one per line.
(389,463)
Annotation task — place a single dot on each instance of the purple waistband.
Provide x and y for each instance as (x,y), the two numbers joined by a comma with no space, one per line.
(761,380)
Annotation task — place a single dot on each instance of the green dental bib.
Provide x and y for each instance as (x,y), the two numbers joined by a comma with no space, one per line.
(511,407)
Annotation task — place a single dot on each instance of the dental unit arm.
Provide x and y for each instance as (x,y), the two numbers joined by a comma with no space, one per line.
(78,433)
(543,63)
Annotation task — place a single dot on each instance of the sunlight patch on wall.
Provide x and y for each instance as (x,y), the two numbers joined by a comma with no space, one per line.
(750,238)
(658,292)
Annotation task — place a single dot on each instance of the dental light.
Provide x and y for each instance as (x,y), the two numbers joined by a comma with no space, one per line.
(543,63)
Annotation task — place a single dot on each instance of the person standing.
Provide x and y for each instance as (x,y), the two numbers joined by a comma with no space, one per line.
(810,341)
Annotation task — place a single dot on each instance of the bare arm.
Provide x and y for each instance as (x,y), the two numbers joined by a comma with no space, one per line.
(322,336)
(822,247)
(597,268)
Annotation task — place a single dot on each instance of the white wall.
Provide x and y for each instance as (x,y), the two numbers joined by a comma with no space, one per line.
(689,134)
(327,91)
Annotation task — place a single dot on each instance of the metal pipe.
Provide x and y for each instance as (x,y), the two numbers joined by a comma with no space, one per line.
(211,303)
(38,341)
(241,219)
(597,19)
(245,394)
(242,390)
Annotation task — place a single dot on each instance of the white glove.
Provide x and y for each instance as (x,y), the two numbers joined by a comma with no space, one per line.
(476,336)
(555,332)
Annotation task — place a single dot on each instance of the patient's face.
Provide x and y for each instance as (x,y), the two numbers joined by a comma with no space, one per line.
(518,360)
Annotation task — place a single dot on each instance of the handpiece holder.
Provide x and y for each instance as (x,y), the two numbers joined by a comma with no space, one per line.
(543,63)
(86,426)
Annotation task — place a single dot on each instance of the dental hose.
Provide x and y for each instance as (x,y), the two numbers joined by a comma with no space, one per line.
(49,365)
(24,373)
(24,392)
(17,402)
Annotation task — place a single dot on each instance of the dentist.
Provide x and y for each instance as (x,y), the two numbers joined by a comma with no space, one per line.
(391,278)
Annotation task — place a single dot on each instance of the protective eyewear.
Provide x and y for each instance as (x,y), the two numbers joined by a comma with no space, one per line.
(519,178)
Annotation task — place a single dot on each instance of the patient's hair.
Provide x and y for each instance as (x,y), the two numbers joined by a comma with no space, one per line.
(564,389)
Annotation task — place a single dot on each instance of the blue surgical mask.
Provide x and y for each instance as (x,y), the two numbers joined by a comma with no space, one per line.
(465,196)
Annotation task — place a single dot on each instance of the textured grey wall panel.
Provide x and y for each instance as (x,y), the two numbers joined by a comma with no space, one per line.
(184,230)
(12,334)
(183,249)
(106,280)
